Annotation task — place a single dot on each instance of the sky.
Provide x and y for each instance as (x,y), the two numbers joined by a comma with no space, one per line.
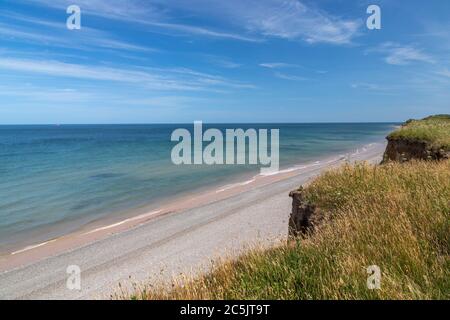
(172,61)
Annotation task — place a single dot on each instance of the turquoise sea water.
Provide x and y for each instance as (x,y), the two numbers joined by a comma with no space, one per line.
(55,179)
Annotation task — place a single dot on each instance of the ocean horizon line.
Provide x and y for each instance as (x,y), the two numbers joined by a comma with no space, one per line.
(204,122)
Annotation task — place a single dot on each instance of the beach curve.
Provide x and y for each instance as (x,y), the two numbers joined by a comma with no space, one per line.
(163,243)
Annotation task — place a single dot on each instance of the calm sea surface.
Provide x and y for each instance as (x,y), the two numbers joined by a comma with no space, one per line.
(55,179)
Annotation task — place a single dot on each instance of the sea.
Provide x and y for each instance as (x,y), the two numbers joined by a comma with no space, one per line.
(55,179)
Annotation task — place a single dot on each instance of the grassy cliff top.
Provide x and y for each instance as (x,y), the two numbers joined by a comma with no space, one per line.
(395,216)
(434,130)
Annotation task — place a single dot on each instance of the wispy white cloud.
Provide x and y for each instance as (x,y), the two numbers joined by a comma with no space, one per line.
(158,79)
(218,60)
(56,34)
(187,29)
(367,86)
(288,19)
(397,54)
(444,72)
(277,65)
(289,77)
(283,65)
(150,13)
(203,77)
(292,19)
(28,92)
(228,64)
(113,9)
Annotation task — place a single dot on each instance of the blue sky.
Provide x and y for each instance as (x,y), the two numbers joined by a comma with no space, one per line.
(174,61)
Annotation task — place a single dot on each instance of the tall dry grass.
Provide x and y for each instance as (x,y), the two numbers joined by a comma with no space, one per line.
(395,216)
(435,130)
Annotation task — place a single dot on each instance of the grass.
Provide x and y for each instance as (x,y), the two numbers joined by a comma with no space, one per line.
(434,129)
(396,216)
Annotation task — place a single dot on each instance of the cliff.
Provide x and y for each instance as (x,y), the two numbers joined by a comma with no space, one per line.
(304,216)
(426,139)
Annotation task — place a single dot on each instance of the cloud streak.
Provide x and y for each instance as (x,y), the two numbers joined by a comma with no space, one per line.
(288,19)
(289,77)
(158,79)
(444,72)
(292,19)
(278,65)
(56,34)
(149,14)
(396,54)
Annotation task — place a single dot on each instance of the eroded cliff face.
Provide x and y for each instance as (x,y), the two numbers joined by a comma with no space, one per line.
(304,215)
(402,150)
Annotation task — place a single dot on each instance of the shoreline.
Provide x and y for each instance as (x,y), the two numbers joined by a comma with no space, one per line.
(163,245)
(105,227)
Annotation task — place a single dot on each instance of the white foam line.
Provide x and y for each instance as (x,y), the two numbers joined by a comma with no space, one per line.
(295,168)
(230,186)
(227,187)
(333,160)
(142,216)
(279,172)
(32,247)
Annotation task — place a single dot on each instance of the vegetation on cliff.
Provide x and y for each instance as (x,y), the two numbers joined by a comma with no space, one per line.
(435,130)
(395,216)
(426,139)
